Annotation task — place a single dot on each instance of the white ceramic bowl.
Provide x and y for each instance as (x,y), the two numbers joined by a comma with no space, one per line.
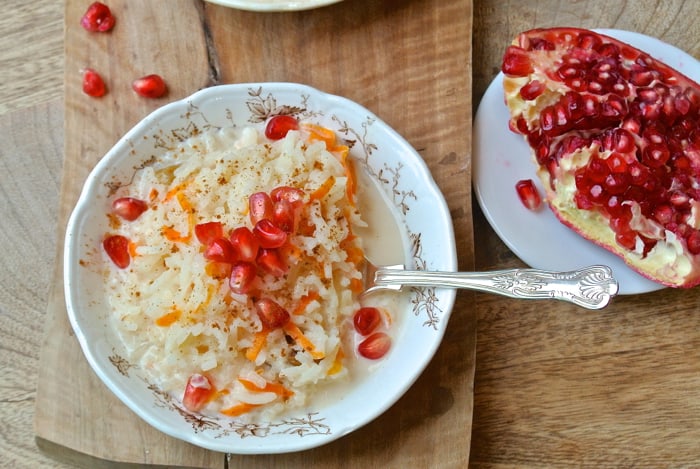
(407,183)
(274,5)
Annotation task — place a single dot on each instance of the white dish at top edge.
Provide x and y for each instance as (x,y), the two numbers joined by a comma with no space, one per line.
(274,5)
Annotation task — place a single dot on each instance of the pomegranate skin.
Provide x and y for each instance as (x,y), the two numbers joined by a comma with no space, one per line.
(615,137)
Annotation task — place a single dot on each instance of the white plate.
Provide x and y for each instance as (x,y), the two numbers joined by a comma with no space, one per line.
(402,175)
(501,158)
(274,5)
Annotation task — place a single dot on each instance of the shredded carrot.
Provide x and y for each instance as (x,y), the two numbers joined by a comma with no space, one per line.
(187,207)
(305,301)
(269,387)
(337,363)
(171,234)
(326,135)
(299,337)
(132,249)
(356,285)
(168,318)
(323,189)
(218,270)
(239,409)
(175,190)
(306,228)
(319,133)
(355,254)
(258,343)
(153,194)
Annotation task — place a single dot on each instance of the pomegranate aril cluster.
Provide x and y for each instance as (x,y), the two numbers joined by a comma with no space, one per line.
(648,156)
(248,252)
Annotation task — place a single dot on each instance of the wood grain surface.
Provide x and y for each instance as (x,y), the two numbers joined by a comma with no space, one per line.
(390,57)
(555,386)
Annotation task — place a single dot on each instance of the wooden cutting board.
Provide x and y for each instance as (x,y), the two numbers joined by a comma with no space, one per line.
(409,61)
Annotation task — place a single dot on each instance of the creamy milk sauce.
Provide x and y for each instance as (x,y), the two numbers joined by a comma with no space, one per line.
(384,244)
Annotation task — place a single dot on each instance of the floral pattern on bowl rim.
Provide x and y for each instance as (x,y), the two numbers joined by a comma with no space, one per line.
(389,159)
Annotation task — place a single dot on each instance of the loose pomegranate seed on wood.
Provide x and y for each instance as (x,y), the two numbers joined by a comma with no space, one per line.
(98,18)
(93,84)
(151,86)
(617,133)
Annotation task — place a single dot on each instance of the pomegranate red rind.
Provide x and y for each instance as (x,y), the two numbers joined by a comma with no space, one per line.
(615,135)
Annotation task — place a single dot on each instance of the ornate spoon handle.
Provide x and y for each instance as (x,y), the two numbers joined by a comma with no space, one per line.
(591,287)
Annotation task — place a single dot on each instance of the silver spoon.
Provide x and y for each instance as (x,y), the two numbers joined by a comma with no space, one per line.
(591,287)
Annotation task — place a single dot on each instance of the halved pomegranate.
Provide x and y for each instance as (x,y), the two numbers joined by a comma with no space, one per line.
(615,135)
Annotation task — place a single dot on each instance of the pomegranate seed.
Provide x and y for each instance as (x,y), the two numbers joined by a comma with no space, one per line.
(283,216)
(540,44)
(93,84)
(278,126)
(270,261)
(621,223)
(98,18)
(129,208)
(245,245)
(583,202)
(117,248)
(616,183)
(627,239)
(198,391)
(598,170)
(208,232)
(617,163)
(618,209)
(375,346)
(291,194)
(532,90)
(663,214)
(693,242)
(260,207)
(220,250)
(366,320)
(150,86)
(547,119)
(528,194)
(589,41)
(271,314)
(269,235)
(243,275)
(516,62)
(682,105)
(596,193)
(655,155)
